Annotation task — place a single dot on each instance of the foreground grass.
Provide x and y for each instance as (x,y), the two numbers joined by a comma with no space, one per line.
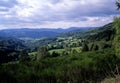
(112,80)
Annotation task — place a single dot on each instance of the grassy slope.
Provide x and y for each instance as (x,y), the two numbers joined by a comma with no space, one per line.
(56,50)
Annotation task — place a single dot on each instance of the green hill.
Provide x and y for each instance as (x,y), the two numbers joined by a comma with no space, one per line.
(74,38)
(105,32)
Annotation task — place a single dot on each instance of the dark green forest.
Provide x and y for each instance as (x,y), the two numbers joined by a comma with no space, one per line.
(89,55)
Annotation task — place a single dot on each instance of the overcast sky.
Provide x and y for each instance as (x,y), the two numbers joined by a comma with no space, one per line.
(56,13)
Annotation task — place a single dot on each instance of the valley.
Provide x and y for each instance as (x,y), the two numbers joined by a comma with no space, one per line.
(70,56)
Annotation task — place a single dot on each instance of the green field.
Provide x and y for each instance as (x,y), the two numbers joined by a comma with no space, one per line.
(50,51)
(78,49)
(57,50)
(32,53)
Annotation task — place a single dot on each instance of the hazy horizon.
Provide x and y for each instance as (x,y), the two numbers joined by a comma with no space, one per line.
(56,13)
(53,28)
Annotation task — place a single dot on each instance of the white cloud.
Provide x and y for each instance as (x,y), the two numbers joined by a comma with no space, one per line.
(58,13)
(91,22)
(46,10)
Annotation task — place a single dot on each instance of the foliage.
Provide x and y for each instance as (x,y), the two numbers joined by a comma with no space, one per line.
(117,35)
(85,47)
(10,49)
(42,53)
(118,4)
(84,67)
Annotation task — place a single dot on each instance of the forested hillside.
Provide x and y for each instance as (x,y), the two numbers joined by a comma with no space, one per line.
(74,38)
(66,58)
(97,33)
(10,49)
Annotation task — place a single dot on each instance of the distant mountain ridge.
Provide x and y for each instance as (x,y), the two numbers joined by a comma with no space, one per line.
(36,33)
(104,32)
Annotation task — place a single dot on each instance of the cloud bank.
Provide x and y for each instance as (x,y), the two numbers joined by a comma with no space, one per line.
(56,13)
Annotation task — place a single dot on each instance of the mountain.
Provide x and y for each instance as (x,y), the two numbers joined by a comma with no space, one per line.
(105,32)
(35,33)
(30,33)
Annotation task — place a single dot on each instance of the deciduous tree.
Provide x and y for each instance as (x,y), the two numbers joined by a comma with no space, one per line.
(42,53)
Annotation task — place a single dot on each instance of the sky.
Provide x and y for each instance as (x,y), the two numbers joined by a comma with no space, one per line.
(56,13)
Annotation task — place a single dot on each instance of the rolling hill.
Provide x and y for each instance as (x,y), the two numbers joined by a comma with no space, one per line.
(98,33)
(73,38)
(35,33)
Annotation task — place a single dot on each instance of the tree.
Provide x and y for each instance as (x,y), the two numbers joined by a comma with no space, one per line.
(74,51)
(96,47)
(118,4)
(91,47)
(85,47)
(117,36)
(55,54)
(42,52)
(117,31)
(23,57)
